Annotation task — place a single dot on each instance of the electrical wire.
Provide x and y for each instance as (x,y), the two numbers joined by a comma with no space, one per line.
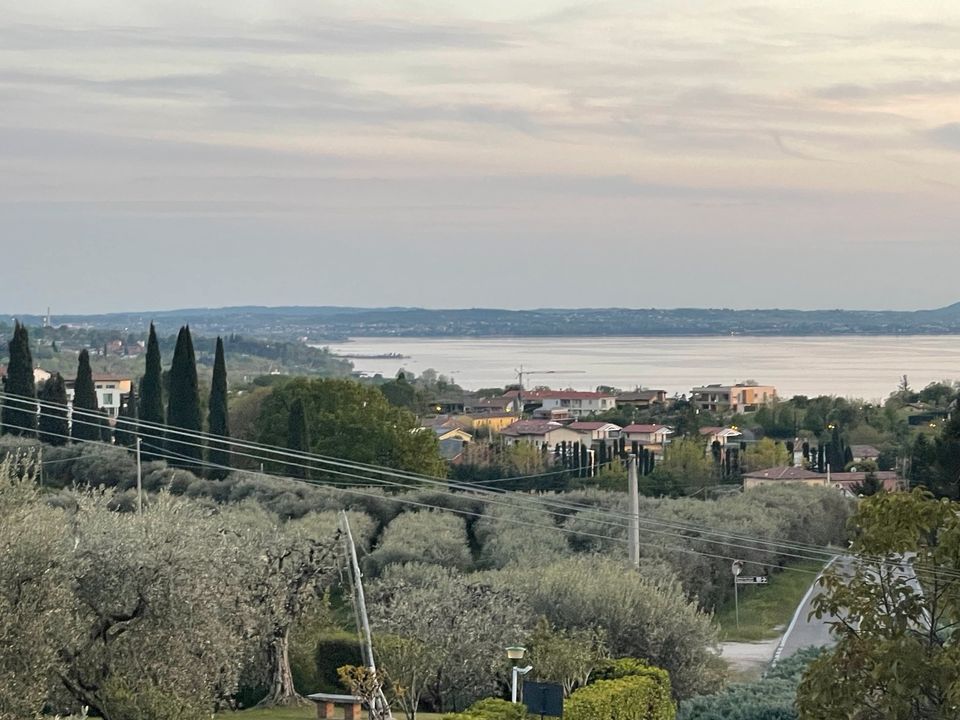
(284,451)
(819,552)
(562,515)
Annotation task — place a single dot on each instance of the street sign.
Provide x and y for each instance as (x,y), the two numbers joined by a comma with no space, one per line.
(751,580)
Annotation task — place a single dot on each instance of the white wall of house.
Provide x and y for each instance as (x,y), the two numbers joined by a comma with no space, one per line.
(580,407)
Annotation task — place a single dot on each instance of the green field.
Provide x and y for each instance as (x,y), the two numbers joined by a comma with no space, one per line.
(766,609)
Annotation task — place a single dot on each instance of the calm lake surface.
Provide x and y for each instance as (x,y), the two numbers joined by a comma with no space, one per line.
(864,367)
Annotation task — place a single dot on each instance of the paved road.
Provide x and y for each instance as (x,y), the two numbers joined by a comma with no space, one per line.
(803,632)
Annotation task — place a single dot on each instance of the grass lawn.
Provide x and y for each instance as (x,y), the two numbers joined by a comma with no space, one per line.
(301,713)
(765,610)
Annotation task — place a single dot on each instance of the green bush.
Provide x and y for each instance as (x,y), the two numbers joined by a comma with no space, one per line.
(635,697)
(333,651)
(771,698)
(629,667)
(490,709)
(146,701)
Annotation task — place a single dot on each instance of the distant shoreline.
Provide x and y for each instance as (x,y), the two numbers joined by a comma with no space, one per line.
(319,343)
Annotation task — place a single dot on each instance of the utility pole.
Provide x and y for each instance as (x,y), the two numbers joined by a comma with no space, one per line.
(379,707)
(632,481)
(736,568)
(139,480)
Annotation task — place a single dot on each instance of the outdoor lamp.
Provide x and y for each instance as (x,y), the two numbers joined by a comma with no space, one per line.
(516,652)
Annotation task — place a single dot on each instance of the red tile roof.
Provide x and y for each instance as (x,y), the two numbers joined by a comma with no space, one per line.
(644,428)
(559,395)
(531,427)
(785,473)
(591,425)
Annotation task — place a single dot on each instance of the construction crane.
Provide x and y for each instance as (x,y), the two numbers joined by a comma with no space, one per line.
(521,373)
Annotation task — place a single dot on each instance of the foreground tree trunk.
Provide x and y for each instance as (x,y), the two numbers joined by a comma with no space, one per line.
(282,691)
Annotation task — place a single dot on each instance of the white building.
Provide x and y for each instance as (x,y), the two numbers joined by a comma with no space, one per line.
(577,403)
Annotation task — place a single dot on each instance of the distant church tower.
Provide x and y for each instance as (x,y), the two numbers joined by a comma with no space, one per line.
(46,319)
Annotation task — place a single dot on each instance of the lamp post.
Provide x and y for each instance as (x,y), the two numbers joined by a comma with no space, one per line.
(515,654)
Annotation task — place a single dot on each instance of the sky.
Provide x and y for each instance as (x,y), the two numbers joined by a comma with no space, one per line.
(705,153)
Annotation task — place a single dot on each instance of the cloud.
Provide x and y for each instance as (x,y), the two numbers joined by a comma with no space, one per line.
(947,136)
(312,36)
(882,91)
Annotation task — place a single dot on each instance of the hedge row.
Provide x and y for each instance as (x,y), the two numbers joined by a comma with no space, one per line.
(490,709)
(635,697)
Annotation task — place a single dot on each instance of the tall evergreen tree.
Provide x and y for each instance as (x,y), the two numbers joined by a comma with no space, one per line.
(85,421)
(298,437)
(19,404)
(217,419)
(150,409)
(126,430)
(183,405)
(106,429)
(54,426)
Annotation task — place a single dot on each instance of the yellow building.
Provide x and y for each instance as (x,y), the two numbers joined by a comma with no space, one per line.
(494,422)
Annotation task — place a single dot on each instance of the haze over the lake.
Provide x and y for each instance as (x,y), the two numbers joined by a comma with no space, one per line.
(513,154)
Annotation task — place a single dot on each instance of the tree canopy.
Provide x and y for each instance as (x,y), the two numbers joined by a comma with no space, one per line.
(218,421)
(350,421)
(896,610)
(19,410)
(183,405)
(85,423)
(151,395)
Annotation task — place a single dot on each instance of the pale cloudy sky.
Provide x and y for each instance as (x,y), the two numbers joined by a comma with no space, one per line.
(527,153)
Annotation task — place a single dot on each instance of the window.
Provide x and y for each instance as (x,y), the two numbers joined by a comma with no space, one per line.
(107,399)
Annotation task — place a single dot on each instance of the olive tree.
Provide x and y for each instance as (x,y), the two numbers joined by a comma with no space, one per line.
(464,620)
(427,536)
(34,595)
(160,613)
(640,617)
(292,565)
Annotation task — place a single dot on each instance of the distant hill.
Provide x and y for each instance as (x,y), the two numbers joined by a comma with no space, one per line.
(326,323)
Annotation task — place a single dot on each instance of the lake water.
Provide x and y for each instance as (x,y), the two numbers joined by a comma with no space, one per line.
(864,367)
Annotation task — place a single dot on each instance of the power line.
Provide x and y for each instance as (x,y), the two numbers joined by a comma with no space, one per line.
(282,451)
(405,501)
(538,503)
(275,453)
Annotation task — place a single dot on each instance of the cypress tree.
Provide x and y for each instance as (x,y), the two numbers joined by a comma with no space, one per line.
(150,409)
(835,454)
(126,431)
(217,419)
(54,426)
(183,405)
(19,405)
(85,424)
(106,429)
(298,437)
